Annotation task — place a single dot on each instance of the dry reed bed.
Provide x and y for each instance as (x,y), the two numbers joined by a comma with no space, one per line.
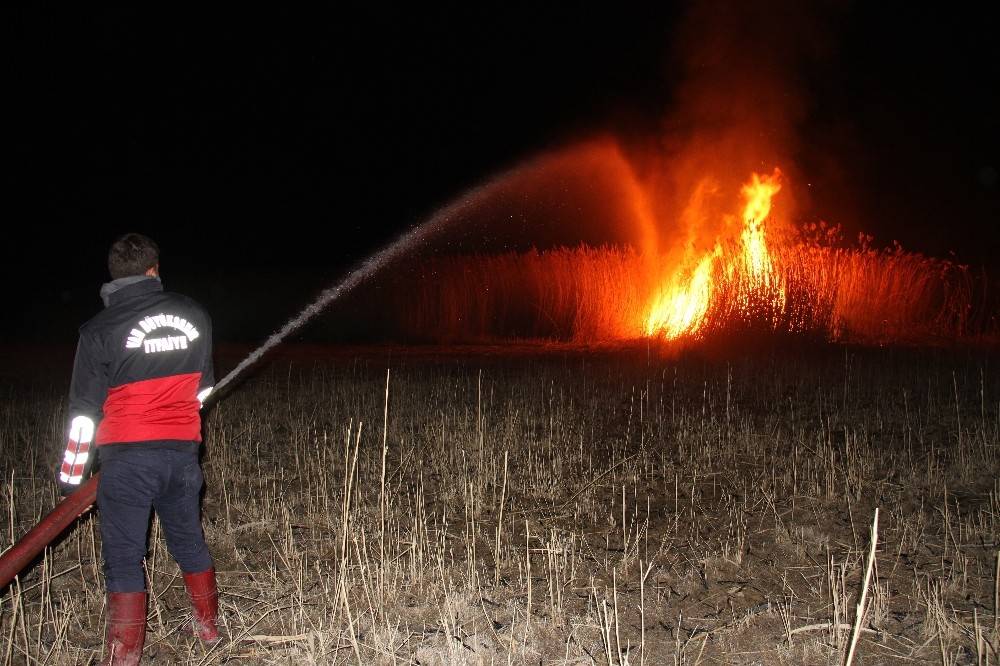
(561,509)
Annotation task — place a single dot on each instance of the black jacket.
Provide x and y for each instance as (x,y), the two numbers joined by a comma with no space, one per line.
(143,366)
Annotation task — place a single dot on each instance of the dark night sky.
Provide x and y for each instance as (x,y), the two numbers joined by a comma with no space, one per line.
(267,150)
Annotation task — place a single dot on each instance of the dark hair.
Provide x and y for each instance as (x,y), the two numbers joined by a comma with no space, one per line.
(132,254)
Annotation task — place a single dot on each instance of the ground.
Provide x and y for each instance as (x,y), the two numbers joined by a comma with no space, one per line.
(556,506)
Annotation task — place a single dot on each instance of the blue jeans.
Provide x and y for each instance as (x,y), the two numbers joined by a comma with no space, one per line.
(135,479)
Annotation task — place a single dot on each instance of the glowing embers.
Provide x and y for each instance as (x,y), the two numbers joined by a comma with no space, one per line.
(743,273)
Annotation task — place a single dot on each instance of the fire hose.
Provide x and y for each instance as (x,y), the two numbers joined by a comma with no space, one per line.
(47,529)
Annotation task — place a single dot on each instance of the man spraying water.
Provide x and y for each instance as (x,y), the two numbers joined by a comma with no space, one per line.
(137,343)
(143,369)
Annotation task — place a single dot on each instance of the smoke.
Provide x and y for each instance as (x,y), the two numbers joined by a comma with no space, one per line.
(738,72)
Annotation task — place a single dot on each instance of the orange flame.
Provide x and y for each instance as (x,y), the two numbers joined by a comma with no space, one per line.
(681,306)
(699,268)
(758,194)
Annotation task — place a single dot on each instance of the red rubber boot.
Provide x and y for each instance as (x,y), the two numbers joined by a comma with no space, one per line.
(205,603)
(126,628)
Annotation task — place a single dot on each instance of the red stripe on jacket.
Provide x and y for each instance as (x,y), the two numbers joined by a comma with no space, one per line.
(164,408)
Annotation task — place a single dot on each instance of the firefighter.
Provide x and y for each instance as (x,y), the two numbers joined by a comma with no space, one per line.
(143,369)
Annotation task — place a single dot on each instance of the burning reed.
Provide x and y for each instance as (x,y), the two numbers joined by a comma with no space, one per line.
(720,274)
(605,294)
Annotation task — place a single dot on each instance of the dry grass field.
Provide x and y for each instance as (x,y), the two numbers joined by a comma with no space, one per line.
(557,506)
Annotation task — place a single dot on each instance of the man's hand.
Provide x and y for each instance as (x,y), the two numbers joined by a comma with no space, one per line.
(66,489)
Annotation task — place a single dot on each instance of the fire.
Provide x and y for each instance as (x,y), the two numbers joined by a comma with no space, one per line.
(696,266)
(681,309)
(758,194)
(682,306)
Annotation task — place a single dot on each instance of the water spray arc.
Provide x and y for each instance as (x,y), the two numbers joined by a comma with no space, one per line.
(372,265)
